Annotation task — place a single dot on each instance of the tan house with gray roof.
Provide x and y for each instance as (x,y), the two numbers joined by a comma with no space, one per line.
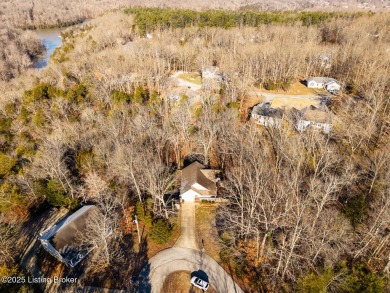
(319,118)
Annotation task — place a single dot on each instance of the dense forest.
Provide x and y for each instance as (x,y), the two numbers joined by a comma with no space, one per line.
(52,13)
(307,212)
(18,50)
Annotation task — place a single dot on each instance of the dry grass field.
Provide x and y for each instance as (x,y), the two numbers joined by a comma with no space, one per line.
(179,282)
(206,229)
(294,103)
(192,77)
(297,88)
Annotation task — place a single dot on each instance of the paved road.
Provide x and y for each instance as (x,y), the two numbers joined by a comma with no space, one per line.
(185,256)
(184,259)
(187,237)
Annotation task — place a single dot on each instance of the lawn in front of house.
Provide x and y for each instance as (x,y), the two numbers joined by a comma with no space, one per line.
(297,88)
(192,77)
(298,103)
(206,229)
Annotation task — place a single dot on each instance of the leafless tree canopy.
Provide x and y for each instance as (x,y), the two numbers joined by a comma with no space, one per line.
(17,51)
(97,126)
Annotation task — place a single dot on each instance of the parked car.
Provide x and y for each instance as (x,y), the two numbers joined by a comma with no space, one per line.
(198,282)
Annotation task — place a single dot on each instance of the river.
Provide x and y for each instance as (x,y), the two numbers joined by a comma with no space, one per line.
(51,39)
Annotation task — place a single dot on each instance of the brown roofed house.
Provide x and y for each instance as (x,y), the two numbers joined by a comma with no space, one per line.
(197,183)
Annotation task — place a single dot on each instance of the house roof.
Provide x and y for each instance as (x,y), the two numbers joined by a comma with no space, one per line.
(211,69)
(320,115)
(62,237)
(265,109)
(193,174)
(319,79)
(71,226)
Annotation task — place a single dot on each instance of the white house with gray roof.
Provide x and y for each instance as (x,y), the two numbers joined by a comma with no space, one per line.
(267,116)
(319,118)
(330,84)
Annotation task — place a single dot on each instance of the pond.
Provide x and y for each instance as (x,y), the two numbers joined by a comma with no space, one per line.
(51,39)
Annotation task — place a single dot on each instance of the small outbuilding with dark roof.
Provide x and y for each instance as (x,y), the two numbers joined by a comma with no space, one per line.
(61,240)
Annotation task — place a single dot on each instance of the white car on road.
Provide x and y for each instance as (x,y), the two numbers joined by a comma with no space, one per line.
(198,282)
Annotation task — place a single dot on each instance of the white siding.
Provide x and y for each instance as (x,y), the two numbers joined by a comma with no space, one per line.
(267,121)
(303,124)
(189,195)
(315,85)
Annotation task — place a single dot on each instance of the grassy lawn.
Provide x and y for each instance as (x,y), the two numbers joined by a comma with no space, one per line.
(296,103)
(153,247)
(206,229)
(299,89)
(179,282)
(191,77)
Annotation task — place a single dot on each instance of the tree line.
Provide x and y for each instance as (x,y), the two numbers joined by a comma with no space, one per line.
(306,212)
(148,19)
(18,50)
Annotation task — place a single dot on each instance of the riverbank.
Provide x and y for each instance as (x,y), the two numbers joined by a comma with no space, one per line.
(51,39)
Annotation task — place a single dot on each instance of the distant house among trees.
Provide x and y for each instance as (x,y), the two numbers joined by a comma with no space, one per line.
(61,240)
(211,77)
(264,115)
(197,183)
(330,84)
(319,118)
(182,94)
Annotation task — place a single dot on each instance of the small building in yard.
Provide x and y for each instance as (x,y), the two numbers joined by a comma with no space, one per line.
(211,72)
(264,115)
(197,183)
(61,240)
(319,118)
(212,77)
(330,84)
(181,94)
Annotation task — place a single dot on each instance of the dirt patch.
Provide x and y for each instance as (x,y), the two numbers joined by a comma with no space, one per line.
(206,229)
(179,282)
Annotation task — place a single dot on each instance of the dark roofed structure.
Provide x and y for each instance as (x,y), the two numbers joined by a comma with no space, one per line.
(61,240)
(265,115)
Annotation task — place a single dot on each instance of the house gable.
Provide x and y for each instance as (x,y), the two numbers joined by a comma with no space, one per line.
(195,183)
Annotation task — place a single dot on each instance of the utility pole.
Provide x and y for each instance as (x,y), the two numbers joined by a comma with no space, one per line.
(139,236)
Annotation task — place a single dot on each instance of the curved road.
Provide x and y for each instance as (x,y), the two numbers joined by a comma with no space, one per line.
(185,256)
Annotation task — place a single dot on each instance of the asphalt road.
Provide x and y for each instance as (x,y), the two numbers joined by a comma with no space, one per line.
(187,227)
(185,256)
(185,259)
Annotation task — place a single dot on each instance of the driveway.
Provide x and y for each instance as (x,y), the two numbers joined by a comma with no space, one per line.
(187,227)
(185,256)
(183,83)
(184,259)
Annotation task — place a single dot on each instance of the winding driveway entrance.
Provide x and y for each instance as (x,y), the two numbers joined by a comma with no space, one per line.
(185,256)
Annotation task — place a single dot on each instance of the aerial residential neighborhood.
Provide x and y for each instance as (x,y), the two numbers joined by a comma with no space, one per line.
(177,147)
